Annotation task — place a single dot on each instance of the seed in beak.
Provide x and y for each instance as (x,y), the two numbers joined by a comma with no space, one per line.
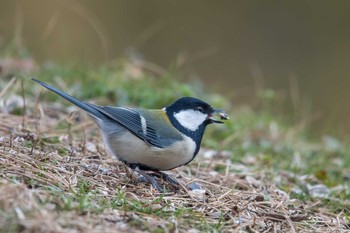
(218,114)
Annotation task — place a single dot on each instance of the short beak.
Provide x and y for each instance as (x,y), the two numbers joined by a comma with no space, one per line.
(217,115)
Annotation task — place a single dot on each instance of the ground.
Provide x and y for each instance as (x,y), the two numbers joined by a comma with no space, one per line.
(256,173)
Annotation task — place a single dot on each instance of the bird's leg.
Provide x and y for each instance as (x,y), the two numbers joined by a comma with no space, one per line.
(166,177)
(149,178)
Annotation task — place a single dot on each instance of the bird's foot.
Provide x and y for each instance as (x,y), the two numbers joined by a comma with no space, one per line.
(166,177)
(150,179)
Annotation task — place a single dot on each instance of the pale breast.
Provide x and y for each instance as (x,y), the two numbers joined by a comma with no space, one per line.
(131,149)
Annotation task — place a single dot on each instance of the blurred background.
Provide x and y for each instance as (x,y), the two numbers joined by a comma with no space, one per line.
(296,50)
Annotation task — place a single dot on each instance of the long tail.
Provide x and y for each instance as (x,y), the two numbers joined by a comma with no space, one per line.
(89,108)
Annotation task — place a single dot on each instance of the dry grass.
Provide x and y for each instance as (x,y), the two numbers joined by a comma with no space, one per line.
(56,176)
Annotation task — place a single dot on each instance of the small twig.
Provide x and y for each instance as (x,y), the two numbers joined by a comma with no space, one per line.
(36,107)
(225,194)
(296,218)
(290,223)
(24,105)
(11,138)
(3,91)
(84,139)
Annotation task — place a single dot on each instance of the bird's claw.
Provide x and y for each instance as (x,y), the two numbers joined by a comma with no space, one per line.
(149,178)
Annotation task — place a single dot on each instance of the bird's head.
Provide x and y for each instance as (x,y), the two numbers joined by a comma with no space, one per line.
(193,115)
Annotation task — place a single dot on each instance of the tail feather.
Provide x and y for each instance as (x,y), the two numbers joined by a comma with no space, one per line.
(89,108)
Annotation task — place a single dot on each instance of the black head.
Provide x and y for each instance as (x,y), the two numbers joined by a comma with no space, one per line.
(190,116)
(192,104)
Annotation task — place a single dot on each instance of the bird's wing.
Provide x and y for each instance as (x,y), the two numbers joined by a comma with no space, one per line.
(151,126)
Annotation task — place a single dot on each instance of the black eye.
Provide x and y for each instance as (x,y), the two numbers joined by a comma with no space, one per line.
(200,109)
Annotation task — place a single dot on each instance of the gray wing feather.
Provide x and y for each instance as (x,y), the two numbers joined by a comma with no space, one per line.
(157,132)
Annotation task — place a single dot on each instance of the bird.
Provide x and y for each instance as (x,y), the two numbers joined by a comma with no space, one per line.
(151,140)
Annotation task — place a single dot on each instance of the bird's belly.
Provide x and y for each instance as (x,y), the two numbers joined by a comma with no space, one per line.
(129,148)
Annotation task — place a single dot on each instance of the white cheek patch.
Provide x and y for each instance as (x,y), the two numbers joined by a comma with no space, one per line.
(190,119)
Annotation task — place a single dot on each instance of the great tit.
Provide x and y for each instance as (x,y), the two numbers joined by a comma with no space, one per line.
(152,139)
